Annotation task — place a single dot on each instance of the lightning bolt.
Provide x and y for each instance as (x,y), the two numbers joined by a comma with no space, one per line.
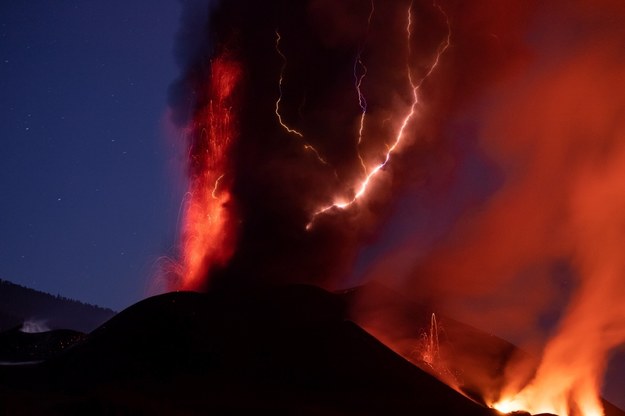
(307,146)
(359,76)
(415,87)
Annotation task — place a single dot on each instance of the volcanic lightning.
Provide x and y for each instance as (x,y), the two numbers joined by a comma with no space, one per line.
(415,87)
(359,76)
(520,169)
(307,146)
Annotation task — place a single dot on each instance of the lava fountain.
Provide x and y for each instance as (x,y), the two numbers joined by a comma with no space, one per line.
(208,230)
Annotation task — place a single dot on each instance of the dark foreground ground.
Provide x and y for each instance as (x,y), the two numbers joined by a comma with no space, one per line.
(280,351)
(20,304)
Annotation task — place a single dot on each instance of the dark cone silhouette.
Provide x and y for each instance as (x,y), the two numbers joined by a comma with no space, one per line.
(279,350)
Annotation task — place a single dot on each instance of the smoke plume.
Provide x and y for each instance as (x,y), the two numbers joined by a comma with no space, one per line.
(491,141)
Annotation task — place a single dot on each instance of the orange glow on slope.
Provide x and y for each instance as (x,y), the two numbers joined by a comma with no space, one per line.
(362,188)
(554,399)
(208,233)
(568,380)
(547,402)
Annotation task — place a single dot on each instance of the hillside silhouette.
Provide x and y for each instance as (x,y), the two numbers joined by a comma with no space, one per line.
(19,305)
(274,350)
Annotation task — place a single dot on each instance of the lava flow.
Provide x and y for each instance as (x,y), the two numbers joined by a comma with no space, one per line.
(208,234)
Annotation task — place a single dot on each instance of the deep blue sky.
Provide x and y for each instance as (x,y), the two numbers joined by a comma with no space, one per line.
(88,176)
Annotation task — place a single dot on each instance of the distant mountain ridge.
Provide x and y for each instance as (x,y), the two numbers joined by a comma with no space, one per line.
(19,305)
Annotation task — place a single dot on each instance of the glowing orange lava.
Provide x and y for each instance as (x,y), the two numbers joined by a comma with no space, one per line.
(554,400)
(208,234)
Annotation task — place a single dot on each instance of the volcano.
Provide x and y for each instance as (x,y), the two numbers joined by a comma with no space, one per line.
(279,350)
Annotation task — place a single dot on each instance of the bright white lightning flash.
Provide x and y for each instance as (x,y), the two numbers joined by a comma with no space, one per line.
(415,86)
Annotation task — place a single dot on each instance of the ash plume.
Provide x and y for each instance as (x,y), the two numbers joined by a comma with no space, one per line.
(503,203)
(277,182)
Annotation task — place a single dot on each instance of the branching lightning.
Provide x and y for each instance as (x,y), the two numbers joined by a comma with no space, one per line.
(362,102)
(415,86)
(359,76)
(280,81)
(288,129)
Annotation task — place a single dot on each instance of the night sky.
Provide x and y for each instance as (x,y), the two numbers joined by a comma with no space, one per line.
(90,181)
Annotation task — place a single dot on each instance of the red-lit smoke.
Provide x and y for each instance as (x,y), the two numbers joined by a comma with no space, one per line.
(492,130)
(554,129)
